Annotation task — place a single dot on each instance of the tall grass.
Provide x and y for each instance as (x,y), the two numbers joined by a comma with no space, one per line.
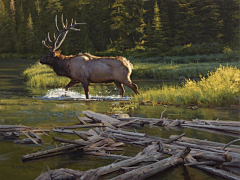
(219,88)
(39,75)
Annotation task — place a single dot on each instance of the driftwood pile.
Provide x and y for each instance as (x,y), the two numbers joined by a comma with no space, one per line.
(107,135)
(14,131)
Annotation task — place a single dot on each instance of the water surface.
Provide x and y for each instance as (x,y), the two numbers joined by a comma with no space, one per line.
(47,108)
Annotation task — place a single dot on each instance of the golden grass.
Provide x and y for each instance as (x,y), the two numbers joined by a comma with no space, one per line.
(220,88)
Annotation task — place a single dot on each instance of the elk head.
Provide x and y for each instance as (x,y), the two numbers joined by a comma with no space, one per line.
(52,46)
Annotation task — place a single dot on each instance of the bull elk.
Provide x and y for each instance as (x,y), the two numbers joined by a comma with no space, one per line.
(85,68)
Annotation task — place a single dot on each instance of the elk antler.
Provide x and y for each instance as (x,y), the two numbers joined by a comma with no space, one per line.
(61,34)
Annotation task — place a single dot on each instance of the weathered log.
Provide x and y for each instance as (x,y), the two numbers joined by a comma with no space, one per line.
(174,139)
(221,123)
(123,170)
(174,123)
(59,150)
(198,147)
(236,140)
(215,145)
(78,142)
(222,128)
(99,117)
(107,124)
(33,140)
(81,135)
(152,169)
(125,132)
(27,141)
(11,135)
(34,135)
(214,131)
(60,174)
(218,172)
(13,128)
(117,144)
(127,123)
(81,126)
(69,131)
(107,155)
(80,119)
(201,163)
(150,153)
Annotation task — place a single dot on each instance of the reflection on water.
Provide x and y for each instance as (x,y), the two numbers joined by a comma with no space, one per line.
(21,105)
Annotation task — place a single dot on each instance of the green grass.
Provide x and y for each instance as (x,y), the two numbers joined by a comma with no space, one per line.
(39,75)
(220,88)
(162,71)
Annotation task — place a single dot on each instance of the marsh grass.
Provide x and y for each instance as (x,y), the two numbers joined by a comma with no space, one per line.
(172,71)
(219,88)
(39,75)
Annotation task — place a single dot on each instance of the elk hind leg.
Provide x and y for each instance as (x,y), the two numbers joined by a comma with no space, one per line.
(86,89)
(132,85)
(120,87)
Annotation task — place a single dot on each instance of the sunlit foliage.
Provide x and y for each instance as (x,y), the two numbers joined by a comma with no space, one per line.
(219,88)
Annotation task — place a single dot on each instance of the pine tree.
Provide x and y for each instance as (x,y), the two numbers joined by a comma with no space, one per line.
(6,29)
(158,39)
(185,26)
(13,25)
(119,22)
(30,35)
(21,32)
(210,23)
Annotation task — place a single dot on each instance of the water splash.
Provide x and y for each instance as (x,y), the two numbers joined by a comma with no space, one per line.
(61,94)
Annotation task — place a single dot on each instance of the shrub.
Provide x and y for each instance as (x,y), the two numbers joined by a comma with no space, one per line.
(219,88)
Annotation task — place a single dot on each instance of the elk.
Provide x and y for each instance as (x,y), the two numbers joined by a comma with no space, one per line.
(85,68)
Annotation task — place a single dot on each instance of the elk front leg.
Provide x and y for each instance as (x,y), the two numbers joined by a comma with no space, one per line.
(86,89)
(70,84)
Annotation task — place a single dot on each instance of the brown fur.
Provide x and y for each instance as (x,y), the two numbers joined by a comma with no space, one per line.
(123,60)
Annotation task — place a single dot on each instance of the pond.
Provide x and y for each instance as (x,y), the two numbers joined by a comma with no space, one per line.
(20,104)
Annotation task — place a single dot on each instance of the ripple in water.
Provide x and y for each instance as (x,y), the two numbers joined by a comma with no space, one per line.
(61,94)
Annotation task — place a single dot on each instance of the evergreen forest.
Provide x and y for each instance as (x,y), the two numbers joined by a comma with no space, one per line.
(141,28)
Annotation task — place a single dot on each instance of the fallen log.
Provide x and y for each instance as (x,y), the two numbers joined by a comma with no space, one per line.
(13,128)
(222,128)
(81,126)
(81,135)
(60,174)
(34,135)
(152,169)
(97,117)
(201,163)
(27,141)
(59,150)
(127,123)
(210,144)
(80,119)
(221,123)
(107,155)
(33,140)
(11,135)
(174,139)
(218,172)
(69,131)
(78,142)
(150,153)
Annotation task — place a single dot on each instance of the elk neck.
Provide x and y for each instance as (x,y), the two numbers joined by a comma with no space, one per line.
(61,67)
